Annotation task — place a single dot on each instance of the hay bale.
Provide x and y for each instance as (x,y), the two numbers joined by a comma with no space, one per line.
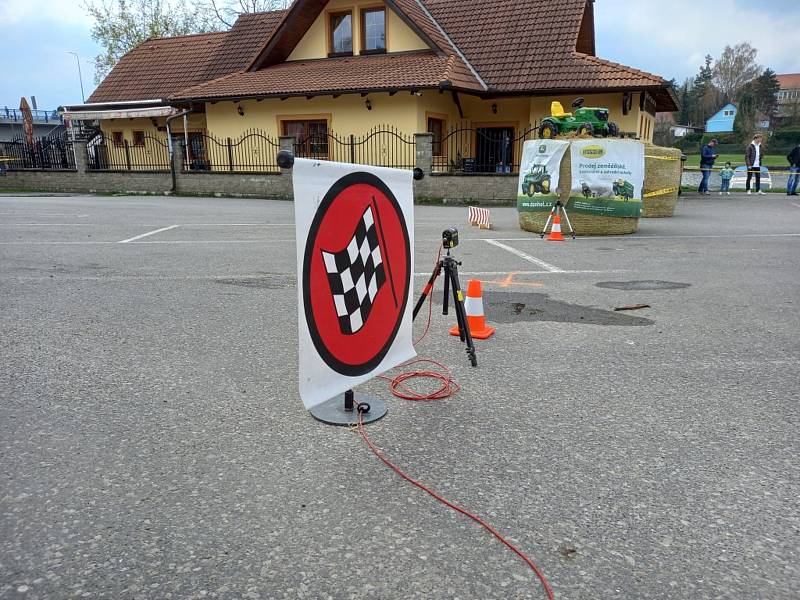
(583,224)
(662,170)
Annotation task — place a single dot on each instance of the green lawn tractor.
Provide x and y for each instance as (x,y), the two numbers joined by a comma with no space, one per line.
(585,121)
(537,181)
(623,189)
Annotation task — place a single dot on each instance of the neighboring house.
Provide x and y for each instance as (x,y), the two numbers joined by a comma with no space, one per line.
(789,94)
(683,130)
(722,121)
(346,67)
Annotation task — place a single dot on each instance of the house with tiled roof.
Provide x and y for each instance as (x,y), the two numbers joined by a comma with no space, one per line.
(789,94)
(351,66)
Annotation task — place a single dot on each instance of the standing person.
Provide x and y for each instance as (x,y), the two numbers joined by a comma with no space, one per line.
(726,175)
(707,158)
(794,170)
(753,157)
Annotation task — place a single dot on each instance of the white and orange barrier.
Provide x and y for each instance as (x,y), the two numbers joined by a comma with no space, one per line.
(480,217)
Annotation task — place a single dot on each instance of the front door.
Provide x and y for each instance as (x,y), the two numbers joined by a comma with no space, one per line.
(494,149)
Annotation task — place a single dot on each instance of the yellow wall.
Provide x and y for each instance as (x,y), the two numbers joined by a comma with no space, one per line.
(154,154)
(314,44)
(345,115)
(197,122)
(399,36)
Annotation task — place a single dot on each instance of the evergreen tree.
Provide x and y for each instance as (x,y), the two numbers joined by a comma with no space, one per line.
(704,97)
(685,104)
(744,125)
(765,90)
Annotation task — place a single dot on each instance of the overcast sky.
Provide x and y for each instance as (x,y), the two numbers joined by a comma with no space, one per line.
(666,37)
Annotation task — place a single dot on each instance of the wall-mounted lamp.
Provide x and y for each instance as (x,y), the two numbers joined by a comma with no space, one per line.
(494,108)
(240,110)
(368,104)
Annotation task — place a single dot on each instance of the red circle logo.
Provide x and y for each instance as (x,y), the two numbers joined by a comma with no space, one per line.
(356,274)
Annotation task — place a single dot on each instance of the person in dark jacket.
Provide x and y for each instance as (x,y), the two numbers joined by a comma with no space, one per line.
(754,157)
(707,158)
(794,170)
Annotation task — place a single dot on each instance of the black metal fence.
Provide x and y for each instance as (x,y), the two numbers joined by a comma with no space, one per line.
(146,153)
(52,152)
(252,152)
(495,149)
(382,146)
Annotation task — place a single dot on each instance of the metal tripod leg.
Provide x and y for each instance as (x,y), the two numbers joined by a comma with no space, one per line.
(451,274)
(566,216)
(428,288)
(549,218)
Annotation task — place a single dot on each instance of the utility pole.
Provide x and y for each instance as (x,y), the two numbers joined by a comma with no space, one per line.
(80,76)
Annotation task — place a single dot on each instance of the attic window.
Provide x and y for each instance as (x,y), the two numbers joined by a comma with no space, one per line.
(373,31)
(341,34)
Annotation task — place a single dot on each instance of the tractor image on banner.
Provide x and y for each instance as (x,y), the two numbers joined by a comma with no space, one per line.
(607,177)
(539,174)
(355,265)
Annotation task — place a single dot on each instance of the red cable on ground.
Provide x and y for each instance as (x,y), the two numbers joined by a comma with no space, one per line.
(448,387)
(548,590)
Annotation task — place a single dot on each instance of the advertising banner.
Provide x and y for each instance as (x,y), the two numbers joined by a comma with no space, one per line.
(539,174)
(607,177)
(355,265)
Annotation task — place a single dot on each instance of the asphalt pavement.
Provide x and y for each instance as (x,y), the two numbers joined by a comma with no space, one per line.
(153,444)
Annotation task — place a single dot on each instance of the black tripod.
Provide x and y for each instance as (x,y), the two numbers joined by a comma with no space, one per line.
(450,266)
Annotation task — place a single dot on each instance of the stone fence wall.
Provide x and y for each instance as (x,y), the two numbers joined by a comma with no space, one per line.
(488,189)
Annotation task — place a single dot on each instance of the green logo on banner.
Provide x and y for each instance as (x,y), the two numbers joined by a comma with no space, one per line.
(593,152)
(543,149)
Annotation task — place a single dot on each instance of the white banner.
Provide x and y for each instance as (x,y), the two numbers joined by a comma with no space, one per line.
(539,172)
(607,177)
(355,265)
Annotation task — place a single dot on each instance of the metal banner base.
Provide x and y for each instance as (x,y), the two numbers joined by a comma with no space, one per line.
(335,411)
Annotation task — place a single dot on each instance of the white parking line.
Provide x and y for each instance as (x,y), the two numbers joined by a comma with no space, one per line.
(639,238)
(138,237)
(528,257)
(795,204)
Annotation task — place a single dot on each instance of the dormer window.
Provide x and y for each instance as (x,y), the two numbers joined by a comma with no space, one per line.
(373,31)
(341,34)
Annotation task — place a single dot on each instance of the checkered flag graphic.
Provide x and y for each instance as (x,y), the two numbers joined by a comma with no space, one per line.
(356,275)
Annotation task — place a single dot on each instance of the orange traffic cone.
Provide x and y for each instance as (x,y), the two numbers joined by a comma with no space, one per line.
(473,305)
(555,230)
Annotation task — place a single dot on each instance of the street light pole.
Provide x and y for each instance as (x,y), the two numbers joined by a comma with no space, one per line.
(80,76)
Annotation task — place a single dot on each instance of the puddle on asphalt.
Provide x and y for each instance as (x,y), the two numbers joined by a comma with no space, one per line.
(645,285)
(513,307)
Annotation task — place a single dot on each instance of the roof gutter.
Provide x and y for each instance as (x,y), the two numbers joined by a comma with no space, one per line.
(121,104)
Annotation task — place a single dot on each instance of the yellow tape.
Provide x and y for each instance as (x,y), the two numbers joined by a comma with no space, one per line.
(660,192)
(460,296)
(663,157)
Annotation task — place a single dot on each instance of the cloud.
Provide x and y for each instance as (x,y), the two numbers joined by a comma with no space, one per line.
(65,12)
(675,37)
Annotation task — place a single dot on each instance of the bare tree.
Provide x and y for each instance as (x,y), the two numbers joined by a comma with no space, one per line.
(734,69)
(226,11)
(121,25)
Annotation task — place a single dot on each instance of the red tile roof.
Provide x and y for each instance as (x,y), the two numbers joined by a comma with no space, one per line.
(491,46)
(410,70)
(529,45)
(160,67)
(790,81)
